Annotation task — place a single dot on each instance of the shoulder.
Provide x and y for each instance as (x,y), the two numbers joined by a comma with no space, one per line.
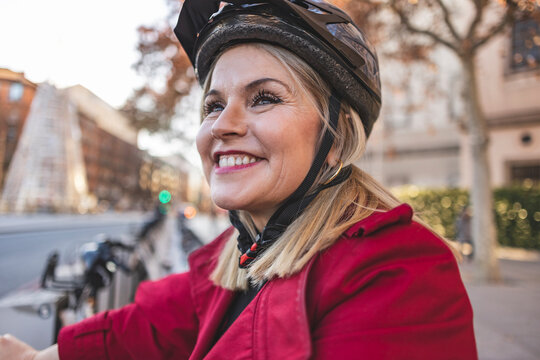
(386,258)
(389,281)
(388,236)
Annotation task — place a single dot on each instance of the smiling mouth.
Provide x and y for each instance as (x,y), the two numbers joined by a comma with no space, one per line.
(231,161)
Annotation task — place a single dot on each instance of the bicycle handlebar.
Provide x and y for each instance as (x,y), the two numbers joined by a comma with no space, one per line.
(97,274)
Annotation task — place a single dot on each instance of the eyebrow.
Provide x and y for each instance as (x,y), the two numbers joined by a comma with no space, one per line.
(251,85)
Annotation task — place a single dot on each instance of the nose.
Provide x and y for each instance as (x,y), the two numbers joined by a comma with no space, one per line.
(230,123)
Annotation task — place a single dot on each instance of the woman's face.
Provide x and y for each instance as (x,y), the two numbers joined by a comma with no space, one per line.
(258,137)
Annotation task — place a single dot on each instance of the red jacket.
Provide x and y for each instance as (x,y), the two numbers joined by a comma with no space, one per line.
(387,289)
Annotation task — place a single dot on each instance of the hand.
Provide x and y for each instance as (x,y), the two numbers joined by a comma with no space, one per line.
(12,348)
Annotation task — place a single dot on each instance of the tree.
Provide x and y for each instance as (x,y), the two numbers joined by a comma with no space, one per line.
(167,72)
(421,23)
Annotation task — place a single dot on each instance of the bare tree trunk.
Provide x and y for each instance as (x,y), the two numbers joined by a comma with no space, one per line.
(483,222)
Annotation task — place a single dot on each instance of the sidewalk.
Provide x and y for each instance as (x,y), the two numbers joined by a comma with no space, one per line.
(507,315)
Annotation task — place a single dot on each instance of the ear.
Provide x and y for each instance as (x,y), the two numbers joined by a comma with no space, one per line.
(332,159)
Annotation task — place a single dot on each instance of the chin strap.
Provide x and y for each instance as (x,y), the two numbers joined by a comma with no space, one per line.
(293,207)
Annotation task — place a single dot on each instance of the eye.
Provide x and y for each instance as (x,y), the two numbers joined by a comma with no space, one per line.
(212,107)
(264,97)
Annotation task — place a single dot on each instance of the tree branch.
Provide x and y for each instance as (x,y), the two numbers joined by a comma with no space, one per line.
(495,29)
(447,20)
(413,29)
(479,5)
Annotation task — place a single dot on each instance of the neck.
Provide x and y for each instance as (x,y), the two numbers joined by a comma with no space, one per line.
(260,218)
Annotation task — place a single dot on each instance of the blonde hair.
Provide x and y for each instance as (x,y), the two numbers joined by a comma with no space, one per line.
(336,208)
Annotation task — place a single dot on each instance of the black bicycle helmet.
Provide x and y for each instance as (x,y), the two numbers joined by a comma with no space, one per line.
(321,34)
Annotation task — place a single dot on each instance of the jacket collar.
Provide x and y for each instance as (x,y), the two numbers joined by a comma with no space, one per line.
(381,219)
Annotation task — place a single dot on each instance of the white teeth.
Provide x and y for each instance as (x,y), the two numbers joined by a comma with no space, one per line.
(235,160)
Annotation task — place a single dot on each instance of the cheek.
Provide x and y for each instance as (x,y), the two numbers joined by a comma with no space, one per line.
(295,138)
(308,131)
(203,142)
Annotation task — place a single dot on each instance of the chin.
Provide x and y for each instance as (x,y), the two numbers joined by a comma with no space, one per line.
(233,196)
(227,202)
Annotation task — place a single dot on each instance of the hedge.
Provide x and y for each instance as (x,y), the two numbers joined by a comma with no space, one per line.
(517,212)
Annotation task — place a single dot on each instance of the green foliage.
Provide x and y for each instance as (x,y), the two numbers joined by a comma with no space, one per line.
(518,216)
(517,212)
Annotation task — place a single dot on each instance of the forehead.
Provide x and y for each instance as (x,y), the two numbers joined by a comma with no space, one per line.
(245,63)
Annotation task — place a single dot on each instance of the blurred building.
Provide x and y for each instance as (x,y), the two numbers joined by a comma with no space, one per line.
(169,173)
(16,94)
(111,157)
(420,138)
(188,180)
(46,172)
(509,86)
(76,154)
(416,139)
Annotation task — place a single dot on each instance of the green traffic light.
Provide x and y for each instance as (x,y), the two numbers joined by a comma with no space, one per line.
(164,196)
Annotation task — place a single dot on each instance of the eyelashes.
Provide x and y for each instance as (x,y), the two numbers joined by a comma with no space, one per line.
(264,97)
(261,98)
(211,107)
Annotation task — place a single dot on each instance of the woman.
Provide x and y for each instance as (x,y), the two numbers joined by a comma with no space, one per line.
(323,262)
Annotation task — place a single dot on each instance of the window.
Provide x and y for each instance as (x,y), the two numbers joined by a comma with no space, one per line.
(525,45)
(11,133)
(13,117)
(15,92)
(523,173)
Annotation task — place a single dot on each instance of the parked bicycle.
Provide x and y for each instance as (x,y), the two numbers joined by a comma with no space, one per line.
(99,261)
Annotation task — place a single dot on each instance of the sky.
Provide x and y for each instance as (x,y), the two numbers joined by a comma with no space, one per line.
(68,42)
